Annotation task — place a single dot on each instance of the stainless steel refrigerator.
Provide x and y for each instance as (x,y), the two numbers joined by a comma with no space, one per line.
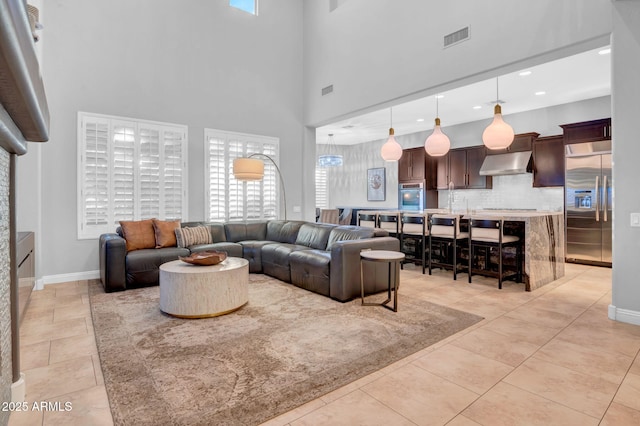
(588,203)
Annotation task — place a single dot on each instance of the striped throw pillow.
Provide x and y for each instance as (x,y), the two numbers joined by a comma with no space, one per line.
(186,237)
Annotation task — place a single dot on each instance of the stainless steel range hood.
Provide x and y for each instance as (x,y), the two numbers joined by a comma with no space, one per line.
(512,163)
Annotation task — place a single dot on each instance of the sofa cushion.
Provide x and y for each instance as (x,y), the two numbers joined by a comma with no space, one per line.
(217,229)
(165,232)
(314,235)
(139,234)
(283,231)
(275,259)
(245,231)
(343,233)
(310,269)
(252,251)
(232,249)
(191,236)
(142,266)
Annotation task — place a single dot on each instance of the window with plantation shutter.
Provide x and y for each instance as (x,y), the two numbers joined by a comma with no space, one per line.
(229,199)
(322,196)
(129,170)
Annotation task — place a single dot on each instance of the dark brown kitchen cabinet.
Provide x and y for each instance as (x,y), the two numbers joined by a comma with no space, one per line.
(521,142)
(587,131)
(548,161)
(411,164)
(462,167)
(416,165)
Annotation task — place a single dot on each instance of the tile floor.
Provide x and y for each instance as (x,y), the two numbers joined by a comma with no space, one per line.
(550,357)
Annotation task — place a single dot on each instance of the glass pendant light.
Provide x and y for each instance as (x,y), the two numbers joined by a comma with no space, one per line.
(498,135)
(437,144)
(391,150)
(329,159)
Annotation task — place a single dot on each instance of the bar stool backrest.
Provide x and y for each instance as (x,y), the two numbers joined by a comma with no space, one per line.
(414,225)
(389,222)
(445,226)
(369,220)
(485,229)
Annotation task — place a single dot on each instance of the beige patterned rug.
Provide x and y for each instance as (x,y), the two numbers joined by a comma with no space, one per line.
(286,347)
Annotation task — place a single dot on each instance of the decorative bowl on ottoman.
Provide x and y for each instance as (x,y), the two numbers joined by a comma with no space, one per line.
(205,258)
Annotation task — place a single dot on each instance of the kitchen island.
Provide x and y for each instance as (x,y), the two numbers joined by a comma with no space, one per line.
(543,243)
(544,240)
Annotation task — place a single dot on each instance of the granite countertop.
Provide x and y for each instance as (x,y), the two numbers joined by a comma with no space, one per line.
(505,214)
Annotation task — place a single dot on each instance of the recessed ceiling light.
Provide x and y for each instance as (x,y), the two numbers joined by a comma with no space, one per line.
(477,107)
(524,73)
(540,93)
(604,51)
(419,120)
(439,96)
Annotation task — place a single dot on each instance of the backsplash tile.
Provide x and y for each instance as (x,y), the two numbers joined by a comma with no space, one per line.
(509,192)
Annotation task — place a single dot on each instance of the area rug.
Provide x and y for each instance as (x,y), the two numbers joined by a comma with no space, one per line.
(284,348)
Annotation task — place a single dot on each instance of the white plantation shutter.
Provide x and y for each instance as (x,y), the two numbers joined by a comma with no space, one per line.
(128,170)
(322,200)
(95,174)
(173,176)
(230,199)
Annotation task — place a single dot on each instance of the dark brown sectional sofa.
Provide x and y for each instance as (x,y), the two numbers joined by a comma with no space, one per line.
(318,257)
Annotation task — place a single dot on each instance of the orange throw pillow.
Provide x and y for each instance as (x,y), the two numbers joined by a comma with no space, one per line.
(139,234)
(165,232)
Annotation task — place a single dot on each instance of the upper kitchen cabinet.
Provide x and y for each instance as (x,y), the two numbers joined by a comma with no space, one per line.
(416,165)
(521,142)
(548,161)
(462,167)
(587,131)
(411,164)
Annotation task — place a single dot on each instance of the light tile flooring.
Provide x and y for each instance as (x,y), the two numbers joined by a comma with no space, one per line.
(549,357)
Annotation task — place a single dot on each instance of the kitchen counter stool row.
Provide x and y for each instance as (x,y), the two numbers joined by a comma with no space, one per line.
(476,245)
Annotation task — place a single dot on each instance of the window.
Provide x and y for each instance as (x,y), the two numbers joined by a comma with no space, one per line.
(129,169)
(322,199)
(250,6)
(229,199)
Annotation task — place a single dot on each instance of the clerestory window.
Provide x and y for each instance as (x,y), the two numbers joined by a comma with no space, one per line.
(250,6)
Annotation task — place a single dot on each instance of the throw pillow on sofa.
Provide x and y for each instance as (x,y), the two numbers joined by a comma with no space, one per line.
(139,234)
(165,232)
(186,237)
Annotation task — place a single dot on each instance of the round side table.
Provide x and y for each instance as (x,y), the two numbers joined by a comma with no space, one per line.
(391,258)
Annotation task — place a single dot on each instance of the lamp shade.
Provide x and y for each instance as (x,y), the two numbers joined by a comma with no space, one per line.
(498,135)
(391,150)
(437,144)
(248,169)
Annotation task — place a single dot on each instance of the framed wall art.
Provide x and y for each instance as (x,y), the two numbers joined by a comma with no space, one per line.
(376,184)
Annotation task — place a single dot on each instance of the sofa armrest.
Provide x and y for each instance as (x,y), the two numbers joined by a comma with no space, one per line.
(345,267)
(112,252)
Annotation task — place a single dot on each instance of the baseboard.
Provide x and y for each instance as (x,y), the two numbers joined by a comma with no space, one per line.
(63,278)
(624,315)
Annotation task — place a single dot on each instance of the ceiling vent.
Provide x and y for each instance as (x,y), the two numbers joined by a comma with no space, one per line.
(327,90)
(456,37)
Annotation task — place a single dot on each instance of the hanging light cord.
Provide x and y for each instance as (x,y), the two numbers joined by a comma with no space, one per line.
(497,95)
(437,109)
(391,117)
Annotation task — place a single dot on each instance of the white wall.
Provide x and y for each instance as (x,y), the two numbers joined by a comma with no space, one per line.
(199,63)
(348,183)
(626,152)
(378,52)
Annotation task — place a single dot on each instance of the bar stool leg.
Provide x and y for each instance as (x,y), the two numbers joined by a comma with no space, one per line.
(500,267)
(455,259)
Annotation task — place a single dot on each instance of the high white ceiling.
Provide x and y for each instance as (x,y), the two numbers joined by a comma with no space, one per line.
(571,79)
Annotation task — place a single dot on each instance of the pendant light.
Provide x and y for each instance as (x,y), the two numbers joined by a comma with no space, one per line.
(437,144)
(329,159)
(391,150)
(498,135)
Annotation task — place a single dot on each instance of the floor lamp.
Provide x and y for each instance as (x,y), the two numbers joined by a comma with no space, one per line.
(249,168)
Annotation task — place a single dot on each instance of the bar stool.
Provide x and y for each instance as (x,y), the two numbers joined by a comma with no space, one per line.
(414,227)
(444,232)
(367,219)
(488,234)
(390,222)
